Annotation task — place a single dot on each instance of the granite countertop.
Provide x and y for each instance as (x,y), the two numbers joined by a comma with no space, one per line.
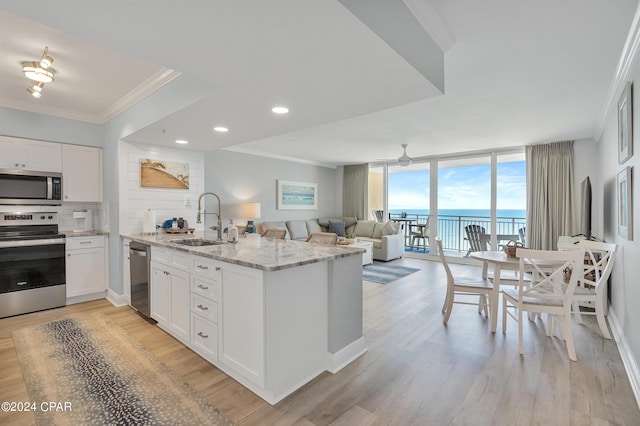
(83,233)
(253,252)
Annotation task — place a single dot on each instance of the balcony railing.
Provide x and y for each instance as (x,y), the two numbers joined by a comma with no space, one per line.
(451,229)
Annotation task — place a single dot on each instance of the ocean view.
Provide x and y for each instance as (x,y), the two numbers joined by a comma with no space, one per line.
(467,213)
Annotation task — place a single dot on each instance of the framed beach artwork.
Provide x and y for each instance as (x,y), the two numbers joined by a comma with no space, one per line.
(625,124)
(163,174)
(297,195)
(625,204)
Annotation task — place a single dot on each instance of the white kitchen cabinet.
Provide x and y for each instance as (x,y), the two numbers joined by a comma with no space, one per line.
(241,343)
(30,154)
(205,290)
(86,267)
(170,304)
(81,173)
(126,269)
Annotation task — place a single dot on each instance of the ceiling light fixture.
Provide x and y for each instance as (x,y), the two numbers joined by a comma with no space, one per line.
(41,70)
(280,110)
(182,141)
(35,93)
(220,129)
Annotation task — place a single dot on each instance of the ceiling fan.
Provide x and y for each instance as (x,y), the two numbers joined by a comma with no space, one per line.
(404,160)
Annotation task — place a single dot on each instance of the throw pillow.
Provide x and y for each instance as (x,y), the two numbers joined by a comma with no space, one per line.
(337,227)
(390,228)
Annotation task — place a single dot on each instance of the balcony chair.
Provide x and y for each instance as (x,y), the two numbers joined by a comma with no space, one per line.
(545,293)
(598,263)
(522,232)
(329,238)
(463,287)
(476,237)
(421,236)
(378,215)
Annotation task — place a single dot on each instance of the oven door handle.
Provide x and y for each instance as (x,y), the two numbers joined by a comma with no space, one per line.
(27,243)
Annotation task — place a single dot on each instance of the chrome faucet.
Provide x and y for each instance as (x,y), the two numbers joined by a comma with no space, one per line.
(218,227)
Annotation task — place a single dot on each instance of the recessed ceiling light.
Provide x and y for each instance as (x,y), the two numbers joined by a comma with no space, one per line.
(280,110)
(220,129)
(182,141)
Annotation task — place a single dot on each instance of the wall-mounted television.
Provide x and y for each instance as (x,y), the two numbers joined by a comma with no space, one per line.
(585,208)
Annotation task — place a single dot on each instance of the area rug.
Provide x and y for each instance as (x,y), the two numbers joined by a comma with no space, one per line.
(97,374)
(384,274)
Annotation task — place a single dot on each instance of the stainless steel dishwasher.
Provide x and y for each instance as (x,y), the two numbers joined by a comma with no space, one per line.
(140,266)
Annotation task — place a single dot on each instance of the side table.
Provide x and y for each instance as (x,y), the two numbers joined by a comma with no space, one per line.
(367,257)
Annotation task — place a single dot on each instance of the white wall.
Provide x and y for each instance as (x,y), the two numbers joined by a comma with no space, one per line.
(167,203)
(585,163)
(625,289)
(237,178)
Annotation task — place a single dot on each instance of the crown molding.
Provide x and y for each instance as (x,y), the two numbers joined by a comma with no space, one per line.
(147,87)
(432,22)
(628,57)
(249,151)
(150,85)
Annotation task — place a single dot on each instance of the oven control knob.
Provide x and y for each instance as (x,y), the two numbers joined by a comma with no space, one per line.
(50,217)
(41,217)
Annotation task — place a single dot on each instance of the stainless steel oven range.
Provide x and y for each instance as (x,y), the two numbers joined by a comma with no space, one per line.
(32,263)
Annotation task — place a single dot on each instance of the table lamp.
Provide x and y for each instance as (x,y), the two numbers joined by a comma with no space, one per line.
(251,211)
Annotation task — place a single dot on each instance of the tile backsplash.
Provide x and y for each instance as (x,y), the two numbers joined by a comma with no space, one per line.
(65,213)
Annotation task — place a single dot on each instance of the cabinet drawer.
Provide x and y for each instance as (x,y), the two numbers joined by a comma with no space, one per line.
(171,257)
(73,243)
(205,287)
(202,265)
(204,337)
(204,307)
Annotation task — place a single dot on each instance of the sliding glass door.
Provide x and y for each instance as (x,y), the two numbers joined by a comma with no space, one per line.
(463,200)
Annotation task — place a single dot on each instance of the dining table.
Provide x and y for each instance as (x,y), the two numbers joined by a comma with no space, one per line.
(500,261)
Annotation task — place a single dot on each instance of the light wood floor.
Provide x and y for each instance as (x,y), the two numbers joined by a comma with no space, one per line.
(417,370)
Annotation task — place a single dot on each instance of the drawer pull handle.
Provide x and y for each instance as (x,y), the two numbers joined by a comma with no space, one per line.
(203,267)
(217,268)
(204,308)
(204,336)
(22,283)
(85,242)
(204,287)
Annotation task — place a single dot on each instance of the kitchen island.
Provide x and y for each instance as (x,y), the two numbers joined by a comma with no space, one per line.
(272,314)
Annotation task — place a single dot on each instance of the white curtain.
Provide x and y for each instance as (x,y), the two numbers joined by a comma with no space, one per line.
(550,194)
(355,191)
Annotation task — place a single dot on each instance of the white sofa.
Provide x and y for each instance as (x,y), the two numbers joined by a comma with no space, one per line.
(387,238)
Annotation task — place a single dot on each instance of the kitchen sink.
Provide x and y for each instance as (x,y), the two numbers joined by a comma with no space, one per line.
(197,242)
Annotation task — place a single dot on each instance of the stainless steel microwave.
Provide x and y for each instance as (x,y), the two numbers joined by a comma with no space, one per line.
(24,187)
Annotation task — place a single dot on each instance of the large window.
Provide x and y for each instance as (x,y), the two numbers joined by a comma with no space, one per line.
(482,193)
(464,201)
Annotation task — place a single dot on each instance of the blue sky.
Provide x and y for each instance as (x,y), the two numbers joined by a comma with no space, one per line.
(466,187)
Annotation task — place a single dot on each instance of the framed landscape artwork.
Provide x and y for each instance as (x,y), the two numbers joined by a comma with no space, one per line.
(625,204)
(163,174)
(625,124)
(297,195)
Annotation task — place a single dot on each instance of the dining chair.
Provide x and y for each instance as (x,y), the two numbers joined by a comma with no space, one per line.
(463,287)
(476,238)
(545,293)
(323,238)
(275,233)
(598,263)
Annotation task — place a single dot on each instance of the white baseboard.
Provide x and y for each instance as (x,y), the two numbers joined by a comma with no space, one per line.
(117,299)
(628,359)
(339,360)
(86,297)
